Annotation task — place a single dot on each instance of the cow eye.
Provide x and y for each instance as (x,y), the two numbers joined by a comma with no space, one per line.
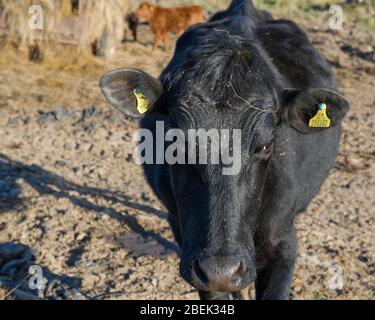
(265,150)
(267,147)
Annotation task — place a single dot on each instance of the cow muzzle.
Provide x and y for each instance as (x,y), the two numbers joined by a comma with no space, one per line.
(222,273)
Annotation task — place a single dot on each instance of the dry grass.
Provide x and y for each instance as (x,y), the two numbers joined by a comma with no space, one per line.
(58,58)
(362,12)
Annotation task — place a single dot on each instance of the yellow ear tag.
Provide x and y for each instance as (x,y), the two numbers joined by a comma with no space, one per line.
(143,104)
(320,120)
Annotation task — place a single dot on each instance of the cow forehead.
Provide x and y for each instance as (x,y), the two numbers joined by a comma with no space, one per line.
(223,75)
(234,104)
(220,68)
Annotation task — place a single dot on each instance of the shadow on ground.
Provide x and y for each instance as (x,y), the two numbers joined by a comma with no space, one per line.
(48,183)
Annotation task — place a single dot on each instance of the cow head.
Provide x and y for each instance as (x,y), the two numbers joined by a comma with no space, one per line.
(145,12)
(227,88)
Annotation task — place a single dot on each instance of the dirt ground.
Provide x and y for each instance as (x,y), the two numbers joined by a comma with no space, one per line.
(70,192)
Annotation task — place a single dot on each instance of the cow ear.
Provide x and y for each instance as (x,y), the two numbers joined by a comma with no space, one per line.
(313,110)
(131,91)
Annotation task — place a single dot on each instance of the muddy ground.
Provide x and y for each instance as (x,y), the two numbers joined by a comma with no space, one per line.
(71,194)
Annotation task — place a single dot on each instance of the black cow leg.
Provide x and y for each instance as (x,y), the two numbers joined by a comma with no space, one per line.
(216,295)
(274,281)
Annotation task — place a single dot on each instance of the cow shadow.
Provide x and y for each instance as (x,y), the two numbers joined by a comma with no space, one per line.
(48,183)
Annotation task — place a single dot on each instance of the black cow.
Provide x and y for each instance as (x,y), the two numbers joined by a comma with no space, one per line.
(242,70)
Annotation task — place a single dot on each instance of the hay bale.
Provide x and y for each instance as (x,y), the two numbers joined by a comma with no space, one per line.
(96,20)
(106,25)
(66,8)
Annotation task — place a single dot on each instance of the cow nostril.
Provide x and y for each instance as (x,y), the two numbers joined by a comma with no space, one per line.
(239,269)
(242,269)
(199,273)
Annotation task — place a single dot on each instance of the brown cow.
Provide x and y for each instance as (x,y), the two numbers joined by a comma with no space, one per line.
(165,20)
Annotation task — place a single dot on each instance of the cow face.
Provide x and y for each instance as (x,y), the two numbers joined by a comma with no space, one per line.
(145,12)
(217,213)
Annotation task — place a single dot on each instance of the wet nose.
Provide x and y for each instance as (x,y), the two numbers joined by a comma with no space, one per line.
(228,273)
